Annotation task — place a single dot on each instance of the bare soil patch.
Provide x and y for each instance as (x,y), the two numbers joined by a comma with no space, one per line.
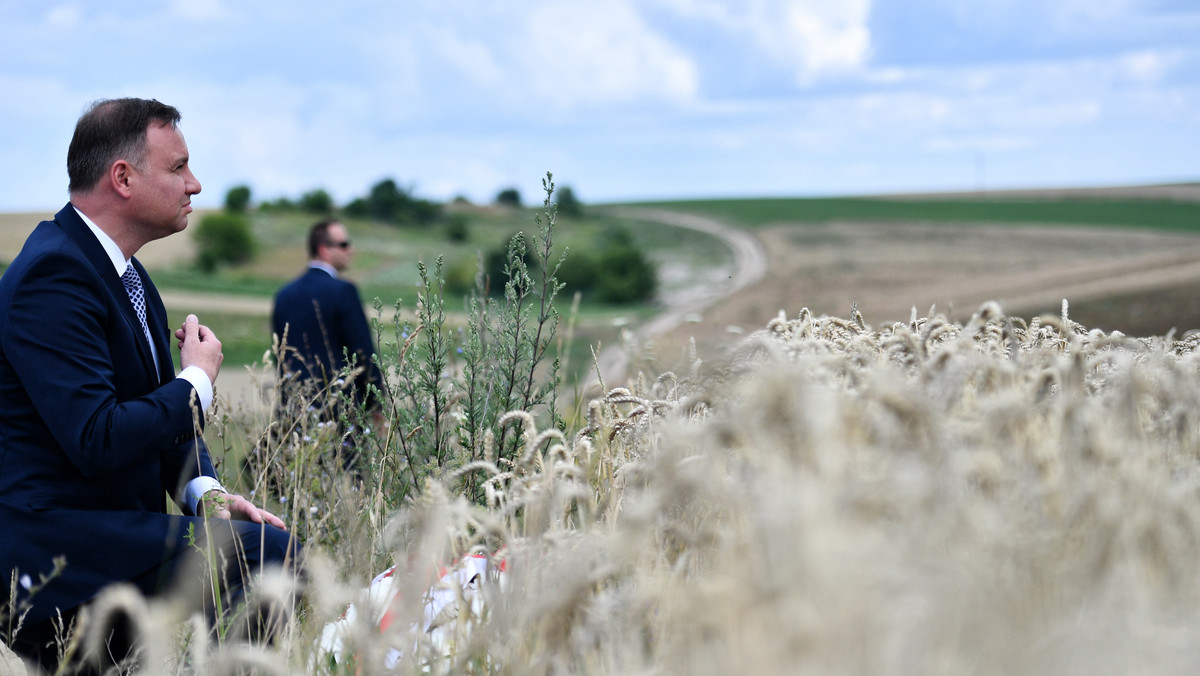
(1133,281)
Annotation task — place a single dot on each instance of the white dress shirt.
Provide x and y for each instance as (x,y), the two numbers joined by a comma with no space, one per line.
(196,488)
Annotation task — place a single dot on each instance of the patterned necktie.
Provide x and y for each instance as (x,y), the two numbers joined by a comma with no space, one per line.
(133,286)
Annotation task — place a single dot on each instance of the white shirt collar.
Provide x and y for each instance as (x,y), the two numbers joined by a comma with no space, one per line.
(110,247)
(322,265)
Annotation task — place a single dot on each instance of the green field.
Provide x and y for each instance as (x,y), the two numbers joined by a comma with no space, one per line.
(1140,213)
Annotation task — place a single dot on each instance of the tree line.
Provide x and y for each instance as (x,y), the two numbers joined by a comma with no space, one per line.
(614,270)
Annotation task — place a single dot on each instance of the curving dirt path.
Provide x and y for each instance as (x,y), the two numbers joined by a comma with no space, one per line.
(749,267)
(887,270)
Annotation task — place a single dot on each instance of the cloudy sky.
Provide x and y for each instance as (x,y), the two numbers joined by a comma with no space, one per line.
(621,99)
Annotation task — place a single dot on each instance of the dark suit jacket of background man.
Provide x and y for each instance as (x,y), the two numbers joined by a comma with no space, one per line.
(324,314)
(91,439)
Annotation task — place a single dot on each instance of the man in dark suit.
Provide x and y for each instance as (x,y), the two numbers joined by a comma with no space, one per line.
(95,426)
(319,317)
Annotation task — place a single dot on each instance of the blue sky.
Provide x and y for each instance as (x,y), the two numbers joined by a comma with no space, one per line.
(621,99)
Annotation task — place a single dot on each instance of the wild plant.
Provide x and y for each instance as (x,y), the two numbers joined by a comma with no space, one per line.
(506,348)
(439,409)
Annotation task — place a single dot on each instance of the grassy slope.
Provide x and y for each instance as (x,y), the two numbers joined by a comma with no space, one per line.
(385,268)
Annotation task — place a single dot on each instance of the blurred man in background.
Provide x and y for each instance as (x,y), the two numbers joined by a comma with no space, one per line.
(319,319)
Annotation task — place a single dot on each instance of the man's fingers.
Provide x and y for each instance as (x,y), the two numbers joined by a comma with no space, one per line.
(189,331)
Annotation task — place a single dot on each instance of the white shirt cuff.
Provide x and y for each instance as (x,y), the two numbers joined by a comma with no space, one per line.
(199,380)
(196,488)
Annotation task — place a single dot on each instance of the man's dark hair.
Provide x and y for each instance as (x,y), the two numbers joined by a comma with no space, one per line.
(318,235)
(110,130)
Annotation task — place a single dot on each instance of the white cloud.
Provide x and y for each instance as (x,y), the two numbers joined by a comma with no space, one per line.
(573,54)
(823,38)
(811,38)
(473,58)
(550,55)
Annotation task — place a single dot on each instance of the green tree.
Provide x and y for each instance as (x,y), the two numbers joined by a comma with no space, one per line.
(509,197)
(581,275)
(237,200)
(568,204)
(458,228)
(387,201)
(624,275)
(316,202)
(390,203)
(278,204)
(223,238)
(357,208)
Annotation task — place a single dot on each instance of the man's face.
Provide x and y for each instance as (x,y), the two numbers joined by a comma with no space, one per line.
(164,183)
(338,251)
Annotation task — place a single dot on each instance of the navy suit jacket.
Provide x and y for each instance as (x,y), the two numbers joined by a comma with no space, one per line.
(91,439)
(324,320)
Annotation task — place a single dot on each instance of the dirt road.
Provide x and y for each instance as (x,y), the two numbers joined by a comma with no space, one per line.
(888,269)
(750,265)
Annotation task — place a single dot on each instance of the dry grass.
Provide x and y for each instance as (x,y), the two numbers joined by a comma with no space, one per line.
(989,497)
(15,229)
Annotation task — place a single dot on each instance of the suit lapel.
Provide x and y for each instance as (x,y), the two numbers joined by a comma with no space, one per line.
(98,257)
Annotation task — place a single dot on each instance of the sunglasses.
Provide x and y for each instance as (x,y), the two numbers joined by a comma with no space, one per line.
(341,245)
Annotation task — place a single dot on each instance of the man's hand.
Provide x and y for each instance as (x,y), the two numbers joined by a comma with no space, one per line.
(235,507)
(198,346)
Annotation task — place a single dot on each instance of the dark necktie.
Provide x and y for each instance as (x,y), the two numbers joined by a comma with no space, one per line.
(133,286)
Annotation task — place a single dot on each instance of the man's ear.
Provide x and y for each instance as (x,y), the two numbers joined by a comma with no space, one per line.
(120,175)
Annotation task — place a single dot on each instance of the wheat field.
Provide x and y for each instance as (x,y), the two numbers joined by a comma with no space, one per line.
(996,496)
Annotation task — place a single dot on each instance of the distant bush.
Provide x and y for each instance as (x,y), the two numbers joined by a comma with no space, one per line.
(237,200)
(568,204)
(581,274)
(358,208)
(389,203)
(460,277)
(278,204)
(223,238)
(624,275)
(509,197)
(316,202)
(386,201)
(458,228)
(614,270)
